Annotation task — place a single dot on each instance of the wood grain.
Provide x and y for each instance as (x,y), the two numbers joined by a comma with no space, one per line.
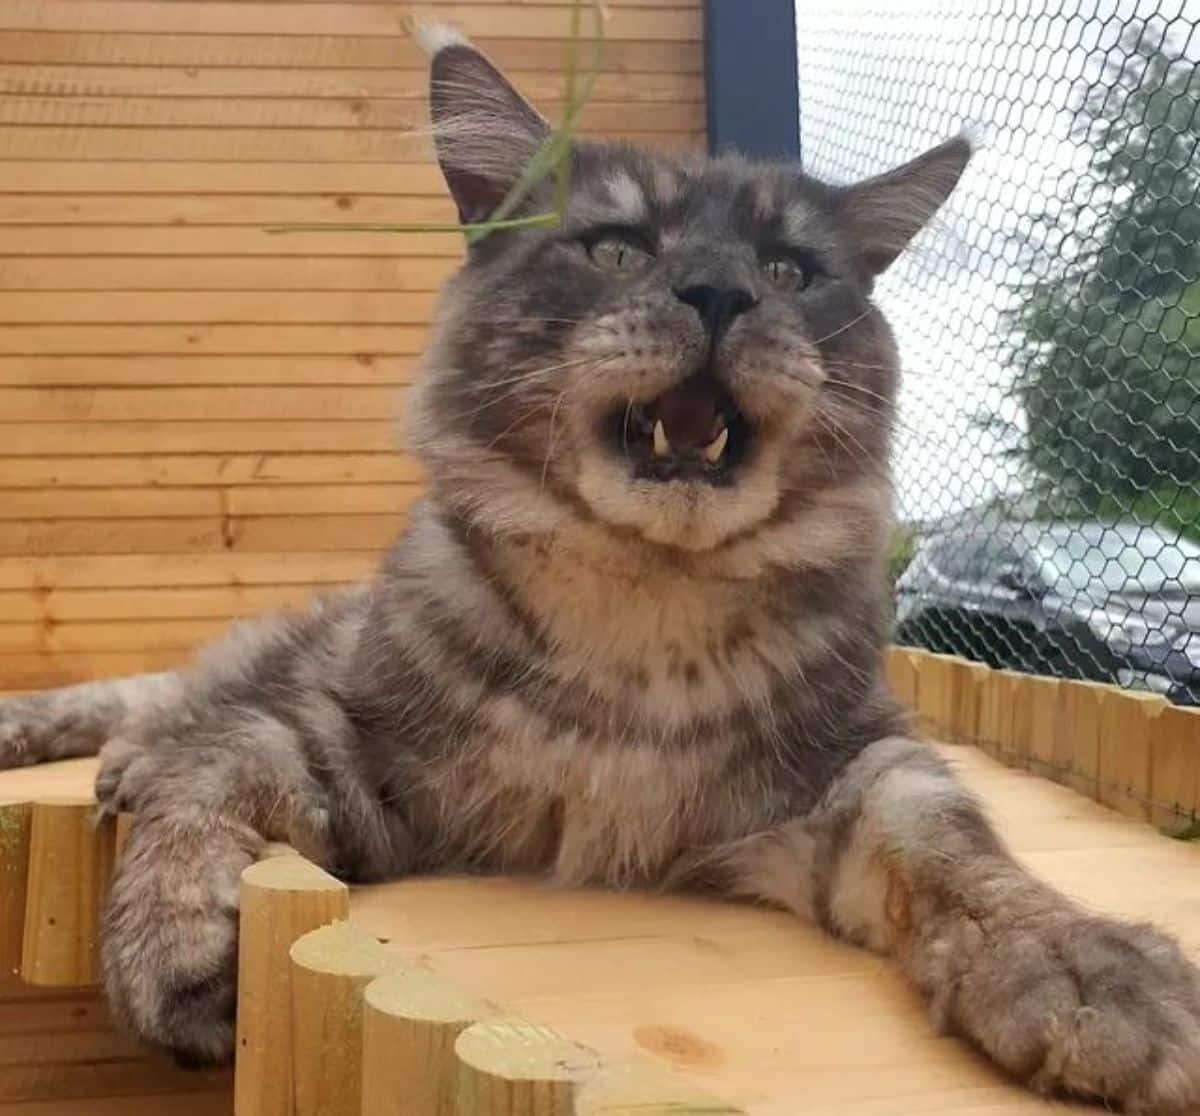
(200,416)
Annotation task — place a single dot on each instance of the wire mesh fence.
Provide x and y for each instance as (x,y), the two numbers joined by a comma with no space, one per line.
(1048,449)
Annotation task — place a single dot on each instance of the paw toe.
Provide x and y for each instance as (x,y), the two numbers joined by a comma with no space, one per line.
(122,778)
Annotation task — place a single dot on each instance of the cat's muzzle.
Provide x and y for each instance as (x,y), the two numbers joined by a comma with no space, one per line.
(691,432)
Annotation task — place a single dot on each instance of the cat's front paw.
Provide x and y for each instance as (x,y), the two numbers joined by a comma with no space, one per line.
(1073,1004)
(169,944)
(126,776)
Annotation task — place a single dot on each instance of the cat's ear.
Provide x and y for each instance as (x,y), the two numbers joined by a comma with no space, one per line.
(884,213)
(484,131)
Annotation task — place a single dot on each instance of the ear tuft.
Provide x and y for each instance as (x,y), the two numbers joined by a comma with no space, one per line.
(884,213)
(485,132)
(434,37)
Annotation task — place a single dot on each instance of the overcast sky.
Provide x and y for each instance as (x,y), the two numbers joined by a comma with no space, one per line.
(880,81)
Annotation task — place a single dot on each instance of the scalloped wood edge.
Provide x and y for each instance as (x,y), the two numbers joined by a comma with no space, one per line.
(1129,750)
(372,1031)
(329,1020)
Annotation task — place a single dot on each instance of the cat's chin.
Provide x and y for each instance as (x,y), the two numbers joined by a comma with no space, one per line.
(691,513)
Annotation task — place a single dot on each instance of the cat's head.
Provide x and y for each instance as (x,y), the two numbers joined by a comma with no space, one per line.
(691,356)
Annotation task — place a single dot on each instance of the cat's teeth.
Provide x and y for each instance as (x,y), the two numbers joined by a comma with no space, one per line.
(714,449)
(662,447)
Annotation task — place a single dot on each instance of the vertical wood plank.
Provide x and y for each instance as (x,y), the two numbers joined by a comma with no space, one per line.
(331,967)
(1175,771)
(902,675)
(1076,747)
(1127,732)
(969,684)
(15,820)
(282,898)
(411,1023)
(1044,697)
(934,700)
(70,865)
(1016,689)
(507,1067)
(995,716)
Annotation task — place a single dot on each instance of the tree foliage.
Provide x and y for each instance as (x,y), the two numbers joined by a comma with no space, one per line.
(1108,337)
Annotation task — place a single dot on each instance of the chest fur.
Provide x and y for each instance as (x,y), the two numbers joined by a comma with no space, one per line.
(597,710)
(583,808)
(657,641)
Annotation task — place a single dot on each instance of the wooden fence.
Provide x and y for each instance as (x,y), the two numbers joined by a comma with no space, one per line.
(197,418)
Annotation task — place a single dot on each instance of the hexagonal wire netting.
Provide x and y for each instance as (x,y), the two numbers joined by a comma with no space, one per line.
(1048,452)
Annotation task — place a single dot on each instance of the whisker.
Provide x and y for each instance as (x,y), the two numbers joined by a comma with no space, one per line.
(827,459)
(862,389)
(522,417)
(534,373)
(836,432)
(842,328)
(550,440)
(847,432)
(524,379)
(547,321)
(903,370)
(904,428)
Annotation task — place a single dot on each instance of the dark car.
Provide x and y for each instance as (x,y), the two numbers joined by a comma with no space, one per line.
(1114,602)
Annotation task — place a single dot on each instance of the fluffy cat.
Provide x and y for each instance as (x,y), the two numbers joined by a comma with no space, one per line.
(633,634)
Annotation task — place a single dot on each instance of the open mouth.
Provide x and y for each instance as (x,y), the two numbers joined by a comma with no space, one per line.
(693,432)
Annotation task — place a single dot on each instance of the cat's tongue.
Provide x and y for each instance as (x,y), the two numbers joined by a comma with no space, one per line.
(689,415)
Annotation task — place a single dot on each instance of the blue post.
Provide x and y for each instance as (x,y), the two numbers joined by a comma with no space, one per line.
(750,77)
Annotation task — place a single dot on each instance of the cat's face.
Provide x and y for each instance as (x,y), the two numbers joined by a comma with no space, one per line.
(691,353)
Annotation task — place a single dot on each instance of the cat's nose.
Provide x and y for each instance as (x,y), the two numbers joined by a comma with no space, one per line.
(717,306)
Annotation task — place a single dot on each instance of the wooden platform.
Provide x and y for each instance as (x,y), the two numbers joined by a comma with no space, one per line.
(754,1010)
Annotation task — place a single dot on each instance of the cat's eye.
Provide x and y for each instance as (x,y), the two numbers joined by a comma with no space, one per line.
(616,254)
(785,273)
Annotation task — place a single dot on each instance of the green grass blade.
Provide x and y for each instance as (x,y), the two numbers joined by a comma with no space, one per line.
(552,158)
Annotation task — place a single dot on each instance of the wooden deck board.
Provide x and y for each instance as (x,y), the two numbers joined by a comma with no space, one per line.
(752,1005)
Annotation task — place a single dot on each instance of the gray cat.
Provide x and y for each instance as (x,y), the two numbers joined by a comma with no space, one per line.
(633,634)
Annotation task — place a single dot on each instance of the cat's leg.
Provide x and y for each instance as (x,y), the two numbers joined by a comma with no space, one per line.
(77,720)
(900,858)
(205,798)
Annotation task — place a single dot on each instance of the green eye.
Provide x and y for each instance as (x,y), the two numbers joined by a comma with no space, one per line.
(786,274)
(611,253)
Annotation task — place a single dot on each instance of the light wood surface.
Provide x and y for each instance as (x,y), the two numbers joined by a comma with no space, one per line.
(179,387)
(674,997)
(752,1006)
